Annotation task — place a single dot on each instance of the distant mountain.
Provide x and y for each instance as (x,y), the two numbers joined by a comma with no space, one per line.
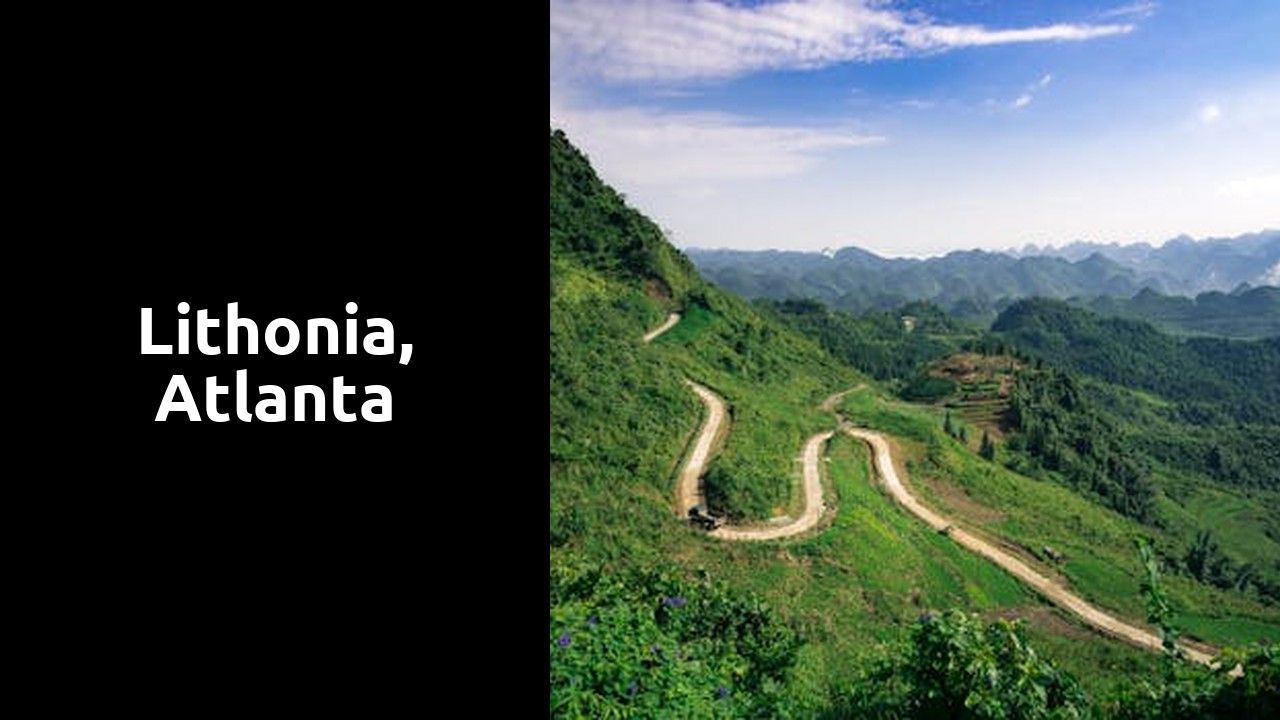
(976,285)
(972,284)
(1184,266)
(1244,313)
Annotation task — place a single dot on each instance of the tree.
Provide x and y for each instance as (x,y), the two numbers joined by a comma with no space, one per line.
(988,448)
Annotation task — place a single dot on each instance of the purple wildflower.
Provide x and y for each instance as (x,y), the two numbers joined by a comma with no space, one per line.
(655,650)
(564,640)
(926,618)
(674,601)
(593,621)
(633,688)
(722,692)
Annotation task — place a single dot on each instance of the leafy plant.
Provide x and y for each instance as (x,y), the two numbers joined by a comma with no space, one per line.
(956,666)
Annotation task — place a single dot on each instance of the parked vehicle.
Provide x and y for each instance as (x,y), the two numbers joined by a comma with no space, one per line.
(701,517)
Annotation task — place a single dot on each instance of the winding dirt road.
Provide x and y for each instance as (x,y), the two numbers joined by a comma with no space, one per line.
(688,487)
(669,323)
(1051,591)
(813,505)
(689,493)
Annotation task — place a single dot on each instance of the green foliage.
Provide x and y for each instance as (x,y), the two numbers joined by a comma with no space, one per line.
(1188,691)
(1207,563)
(927,388)
(1209,377)
(1251,314)
(1061,432)
(1096,540)
(592,225)
(648,642)
(956,666)
(987,450)
(877,343)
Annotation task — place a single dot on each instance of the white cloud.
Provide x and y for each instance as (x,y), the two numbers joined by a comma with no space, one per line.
(1272,276)
(1029,94)
(1141,9)
(917,104)
(638,146)
(627,40)
(1259,187)
(1209,114)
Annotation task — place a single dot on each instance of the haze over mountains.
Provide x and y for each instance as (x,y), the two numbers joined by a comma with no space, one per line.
(976,284)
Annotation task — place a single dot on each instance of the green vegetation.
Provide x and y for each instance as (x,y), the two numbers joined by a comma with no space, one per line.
(987,450)
(1209,378)
(789,629)
(1250,314)
(1185,693)
(957,666)
(1061,433)
(648,642)
(1030,514)
(885,345)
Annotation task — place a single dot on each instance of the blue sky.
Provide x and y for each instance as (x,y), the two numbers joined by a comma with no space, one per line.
(915,128)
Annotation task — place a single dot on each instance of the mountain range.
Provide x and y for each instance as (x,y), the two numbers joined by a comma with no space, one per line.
(976,284)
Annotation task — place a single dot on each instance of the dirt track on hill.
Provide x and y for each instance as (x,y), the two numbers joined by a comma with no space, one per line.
(689,493)
(688,490)
(669,323)
(813,505)
(1051,591)
(688,487)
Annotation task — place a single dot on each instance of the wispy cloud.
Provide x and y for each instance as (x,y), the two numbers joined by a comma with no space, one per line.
(1029,94)
(917,104)
(627,40)
(1209,114)
(1141,9)
(639,146)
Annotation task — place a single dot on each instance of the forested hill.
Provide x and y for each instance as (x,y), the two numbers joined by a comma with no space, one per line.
(593,227)
(1208,376)
(1245,313)
(621,417)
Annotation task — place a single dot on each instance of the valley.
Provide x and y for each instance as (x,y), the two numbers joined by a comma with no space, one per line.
(792,423)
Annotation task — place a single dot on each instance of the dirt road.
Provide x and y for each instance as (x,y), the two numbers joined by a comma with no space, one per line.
(813,505)
(688,487)
(688,490)
(689,493)
(670,322)
(1054,593)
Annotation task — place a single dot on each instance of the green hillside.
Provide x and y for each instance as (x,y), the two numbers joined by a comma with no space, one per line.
(1248,313)
(651,618)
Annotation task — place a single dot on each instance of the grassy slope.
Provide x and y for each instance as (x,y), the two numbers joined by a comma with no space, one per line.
(621,418)
(1098,543)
